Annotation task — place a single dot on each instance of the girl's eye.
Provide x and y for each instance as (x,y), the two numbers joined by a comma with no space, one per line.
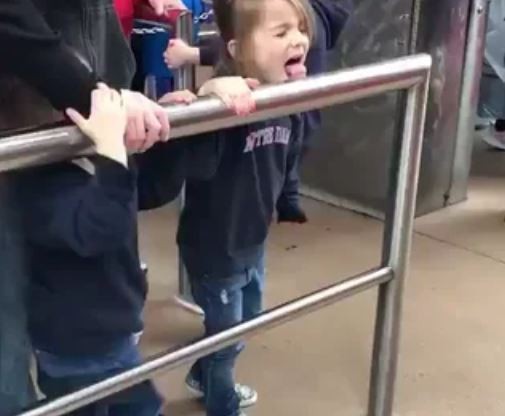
(281,34)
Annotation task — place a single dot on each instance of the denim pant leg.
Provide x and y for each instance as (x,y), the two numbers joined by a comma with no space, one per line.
(253,291)
(59,376)
(16,389)
(290,194)
(222,303)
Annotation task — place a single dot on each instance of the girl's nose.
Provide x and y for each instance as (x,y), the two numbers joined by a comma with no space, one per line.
(298,39)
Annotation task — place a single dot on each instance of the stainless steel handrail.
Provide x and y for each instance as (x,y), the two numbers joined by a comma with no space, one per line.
(411,74)
(173,359)
(209,114)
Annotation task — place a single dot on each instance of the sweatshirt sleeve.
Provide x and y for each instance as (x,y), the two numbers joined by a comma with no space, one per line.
(32,51)
(209,51)
(69,209)
(164,168)
(331,17)
(161,174)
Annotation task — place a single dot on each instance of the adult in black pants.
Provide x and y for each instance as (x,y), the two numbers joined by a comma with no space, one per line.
(53,52)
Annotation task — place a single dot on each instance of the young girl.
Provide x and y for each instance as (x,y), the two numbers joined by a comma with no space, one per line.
(330,19)
(226,218)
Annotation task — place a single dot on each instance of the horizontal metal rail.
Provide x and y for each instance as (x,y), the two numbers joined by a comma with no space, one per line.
(208,114)
(176,358)
(411,74)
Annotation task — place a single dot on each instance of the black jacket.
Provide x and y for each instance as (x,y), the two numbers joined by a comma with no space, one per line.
(34,51)
(87,290)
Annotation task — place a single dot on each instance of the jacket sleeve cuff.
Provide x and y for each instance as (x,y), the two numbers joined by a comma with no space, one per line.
(113,176)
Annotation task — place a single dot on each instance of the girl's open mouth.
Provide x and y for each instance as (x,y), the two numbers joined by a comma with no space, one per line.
(295,67)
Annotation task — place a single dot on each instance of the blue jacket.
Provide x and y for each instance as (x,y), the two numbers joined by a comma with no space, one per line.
(331,17)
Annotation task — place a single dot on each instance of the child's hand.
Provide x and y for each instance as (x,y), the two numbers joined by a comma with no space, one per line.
(235,92)
(106,124)
(178,97)
(179,53)
(160,6)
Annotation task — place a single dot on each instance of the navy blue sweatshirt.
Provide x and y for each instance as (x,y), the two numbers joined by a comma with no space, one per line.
(87,290)
(226,217)
(86,287)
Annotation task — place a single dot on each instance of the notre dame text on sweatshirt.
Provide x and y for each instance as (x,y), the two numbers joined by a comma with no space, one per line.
(226,218)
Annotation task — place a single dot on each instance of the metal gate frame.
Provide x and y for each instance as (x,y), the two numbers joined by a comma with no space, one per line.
(410,74)
(185,80)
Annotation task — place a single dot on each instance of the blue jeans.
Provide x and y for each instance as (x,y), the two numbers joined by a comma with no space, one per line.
(226,302)
(58,376)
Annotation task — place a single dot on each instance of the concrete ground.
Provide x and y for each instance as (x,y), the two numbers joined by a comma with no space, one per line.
(452,353)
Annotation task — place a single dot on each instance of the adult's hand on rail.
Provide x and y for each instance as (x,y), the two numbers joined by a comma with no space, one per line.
(147,122)
(160,6)
(106,123)
(234,92)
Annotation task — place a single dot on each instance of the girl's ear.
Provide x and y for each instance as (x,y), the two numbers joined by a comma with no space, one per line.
(231,46)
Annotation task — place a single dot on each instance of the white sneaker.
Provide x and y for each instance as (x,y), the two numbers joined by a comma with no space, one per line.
(194,387)
(248,397)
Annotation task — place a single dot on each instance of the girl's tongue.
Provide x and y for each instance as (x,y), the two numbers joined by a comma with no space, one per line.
(296,70)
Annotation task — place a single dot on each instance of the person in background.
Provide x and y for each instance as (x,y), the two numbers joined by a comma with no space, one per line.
(126,10)
(331,18)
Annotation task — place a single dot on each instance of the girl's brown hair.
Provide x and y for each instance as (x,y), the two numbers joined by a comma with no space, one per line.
(236,19)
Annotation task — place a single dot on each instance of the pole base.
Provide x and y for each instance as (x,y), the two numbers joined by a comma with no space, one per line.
(188,306)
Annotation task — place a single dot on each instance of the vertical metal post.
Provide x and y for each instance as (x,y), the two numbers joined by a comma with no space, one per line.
(184,76)
(184,79)
(397,242)
(469,99)
(150,83)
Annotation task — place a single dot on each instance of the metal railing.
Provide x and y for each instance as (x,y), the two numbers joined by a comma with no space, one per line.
(410,74)
(185,80)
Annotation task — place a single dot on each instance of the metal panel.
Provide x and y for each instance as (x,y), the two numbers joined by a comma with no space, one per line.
(470,92)
(442,33)
(349,160)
